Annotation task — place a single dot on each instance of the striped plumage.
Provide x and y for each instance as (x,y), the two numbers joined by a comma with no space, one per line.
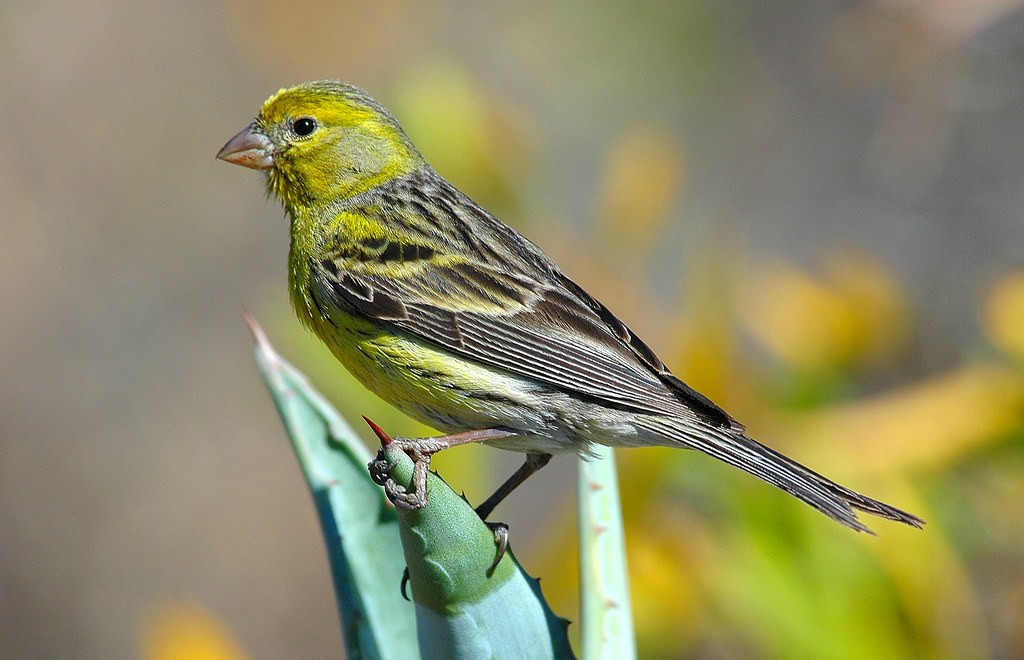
(459,321)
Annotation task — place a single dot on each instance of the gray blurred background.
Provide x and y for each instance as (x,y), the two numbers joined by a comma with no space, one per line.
(144,477)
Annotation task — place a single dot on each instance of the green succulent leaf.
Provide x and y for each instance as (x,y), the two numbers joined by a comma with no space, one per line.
(359,525)
(604,581)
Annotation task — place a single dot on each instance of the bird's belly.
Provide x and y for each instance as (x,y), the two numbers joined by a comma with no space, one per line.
(447,391)
(452,393)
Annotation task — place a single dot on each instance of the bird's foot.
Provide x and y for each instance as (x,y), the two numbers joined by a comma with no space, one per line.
(419,450)
(500,531)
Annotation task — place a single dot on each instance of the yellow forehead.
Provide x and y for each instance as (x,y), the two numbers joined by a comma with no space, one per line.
(330,104)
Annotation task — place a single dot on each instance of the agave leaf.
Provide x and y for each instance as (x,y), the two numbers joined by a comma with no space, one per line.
(359,526)
(604,581)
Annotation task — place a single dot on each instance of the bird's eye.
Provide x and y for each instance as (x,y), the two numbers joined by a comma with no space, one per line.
(303,126)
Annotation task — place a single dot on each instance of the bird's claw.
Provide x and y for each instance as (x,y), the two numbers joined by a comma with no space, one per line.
(403,498)
(405,584)
(380,469)
(500,531)
(380,472)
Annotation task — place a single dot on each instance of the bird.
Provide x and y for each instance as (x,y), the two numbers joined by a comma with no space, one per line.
(462,323)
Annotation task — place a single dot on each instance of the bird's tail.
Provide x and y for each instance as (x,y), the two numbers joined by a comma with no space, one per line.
(835,501)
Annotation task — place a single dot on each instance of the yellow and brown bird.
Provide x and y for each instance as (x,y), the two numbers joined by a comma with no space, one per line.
(462,323)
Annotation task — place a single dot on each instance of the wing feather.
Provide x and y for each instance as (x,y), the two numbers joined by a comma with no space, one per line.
(449,273)
(551,335)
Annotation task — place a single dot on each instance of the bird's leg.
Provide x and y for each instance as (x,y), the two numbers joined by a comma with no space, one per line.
(420,450)
(533,463)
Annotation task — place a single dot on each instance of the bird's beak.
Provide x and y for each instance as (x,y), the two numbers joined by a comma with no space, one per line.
(249,148)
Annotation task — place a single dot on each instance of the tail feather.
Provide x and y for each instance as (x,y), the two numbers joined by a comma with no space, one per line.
(835,501)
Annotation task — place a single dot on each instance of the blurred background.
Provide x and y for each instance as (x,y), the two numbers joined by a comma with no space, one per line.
(813,211)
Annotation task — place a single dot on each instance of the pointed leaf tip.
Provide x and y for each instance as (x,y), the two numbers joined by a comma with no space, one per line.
(385,439)
(258,335)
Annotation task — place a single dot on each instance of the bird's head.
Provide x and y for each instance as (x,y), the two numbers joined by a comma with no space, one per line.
(321,142)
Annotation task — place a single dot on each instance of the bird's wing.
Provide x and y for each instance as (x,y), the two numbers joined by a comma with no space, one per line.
(539,325)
